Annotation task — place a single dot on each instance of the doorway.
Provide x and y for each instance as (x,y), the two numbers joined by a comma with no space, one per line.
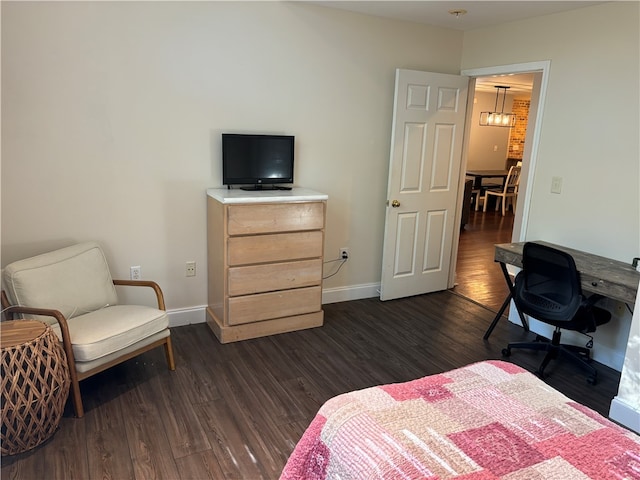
(476,274)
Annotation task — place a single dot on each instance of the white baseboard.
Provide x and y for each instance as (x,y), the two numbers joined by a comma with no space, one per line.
(186,316)
(624,414)
(354,292)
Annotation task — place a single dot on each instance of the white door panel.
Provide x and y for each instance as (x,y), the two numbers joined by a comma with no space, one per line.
(424,169)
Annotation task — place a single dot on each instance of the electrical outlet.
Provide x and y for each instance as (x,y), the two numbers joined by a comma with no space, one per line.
(136,273)
(344,253)
(190,269)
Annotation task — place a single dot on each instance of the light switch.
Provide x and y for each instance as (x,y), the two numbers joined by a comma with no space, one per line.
(556,184)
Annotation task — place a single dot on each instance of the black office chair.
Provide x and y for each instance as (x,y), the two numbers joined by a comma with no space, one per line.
(548,289)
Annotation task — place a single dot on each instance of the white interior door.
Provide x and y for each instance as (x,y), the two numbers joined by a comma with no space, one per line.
(424,172)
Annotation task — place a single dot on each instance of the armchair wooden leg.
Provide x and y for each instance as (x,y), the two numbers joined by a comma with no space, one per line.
(74,389)
(76,398)
(168,350)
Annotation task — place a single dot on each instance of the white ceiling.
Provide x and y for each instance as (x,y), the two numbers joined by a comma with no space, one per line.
(521,83)
(480,14)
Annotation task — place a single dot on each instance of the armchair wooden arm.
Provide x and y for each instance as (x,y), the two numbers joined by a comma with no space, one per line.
(144,283)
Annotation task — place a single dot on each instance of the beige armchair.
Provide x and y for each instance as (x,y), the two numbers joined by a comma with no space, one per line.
(72,290)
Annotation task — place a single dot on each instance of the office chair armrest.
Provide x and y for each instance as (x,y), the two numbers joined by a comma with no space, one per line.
(144,283)
(588,304)
(591,300)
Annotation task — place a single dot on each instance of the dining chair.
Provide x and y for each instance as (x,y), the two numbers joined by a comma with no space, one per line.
(509,191)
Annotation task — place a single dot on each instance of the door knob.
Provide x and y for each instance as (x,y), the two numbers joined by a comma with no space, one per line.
(395,204)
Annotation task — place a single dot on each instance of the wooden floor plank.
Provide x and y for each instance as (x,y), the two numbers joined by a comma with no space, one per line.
(107,453)
(201,466)
(66,456)
(149,448)
(228,439)
(175,407)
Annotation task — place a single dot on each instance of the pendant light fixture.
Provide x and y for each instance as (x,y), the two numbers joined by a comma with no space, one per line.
(495,118)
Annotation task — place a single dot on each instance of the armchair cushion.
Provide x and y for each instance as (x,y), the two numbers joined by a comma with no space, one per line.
(74,280)
(107,330)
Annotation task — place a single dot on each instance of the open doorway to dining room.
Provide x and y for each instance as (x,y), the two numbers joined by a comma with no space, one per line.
(478,277)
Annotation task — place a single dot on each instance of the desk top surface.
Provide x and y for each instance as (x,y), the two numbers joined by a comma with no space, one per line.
(611,278)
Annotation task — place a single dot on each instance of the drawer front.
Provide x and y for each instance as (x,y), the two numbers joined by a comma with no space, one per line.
(276,276)
(265,306)
(274,248)
(276,217)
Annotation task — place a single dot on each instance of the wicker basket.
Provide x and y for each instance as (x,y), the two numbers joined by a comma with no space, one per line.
(35,384)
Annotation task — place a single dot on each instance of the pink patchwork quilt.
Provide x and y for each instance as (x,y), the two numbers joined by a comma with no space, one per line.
(485,421)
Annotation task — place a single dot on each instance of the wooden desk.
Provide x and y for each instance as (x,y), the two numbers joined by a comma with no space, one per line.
(601,275)
(478,175)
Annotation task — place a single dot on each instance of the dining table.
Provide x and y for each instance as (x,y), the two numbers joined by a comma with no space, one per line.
(479,175)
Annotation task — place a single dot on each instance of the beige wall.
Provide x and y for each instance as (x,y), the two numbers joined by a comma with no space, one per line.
(112,114)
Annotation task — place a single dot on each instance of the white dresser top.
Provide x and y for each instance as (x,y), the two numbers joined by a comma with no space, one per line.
(224,195)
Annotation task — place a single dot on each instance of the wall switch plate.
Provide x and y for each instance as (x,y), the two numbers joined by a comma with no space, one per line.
(556,184)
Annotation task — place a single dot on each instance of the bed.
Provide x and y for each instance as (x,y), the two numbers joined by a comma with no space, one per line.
(487,420)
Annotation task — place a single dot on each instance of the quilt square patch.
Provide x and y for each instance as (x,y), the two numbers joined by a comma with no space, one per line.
(497,449)
(431,389)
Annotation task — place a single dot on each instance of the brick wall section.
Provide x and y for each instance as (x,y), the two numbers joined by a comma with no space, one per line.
(519,130)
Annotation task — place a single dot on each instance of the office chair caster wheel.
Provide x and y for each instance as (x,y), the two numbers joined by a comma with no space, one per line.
(506,352)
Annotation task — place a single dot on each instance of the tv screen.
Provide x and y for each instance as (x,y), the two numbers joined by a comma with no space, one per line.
(257,161)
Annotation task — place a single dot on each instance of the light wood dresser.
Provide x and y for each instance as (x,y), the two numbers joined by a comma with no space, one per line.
(265,253)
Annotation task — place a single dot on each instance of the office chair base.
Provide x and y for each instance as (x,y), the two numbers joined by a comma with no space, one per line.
(579,355)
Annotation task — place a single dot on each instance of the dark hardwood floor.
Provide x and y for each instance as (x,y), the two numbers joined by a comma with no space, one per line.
(478,277)
(236,411)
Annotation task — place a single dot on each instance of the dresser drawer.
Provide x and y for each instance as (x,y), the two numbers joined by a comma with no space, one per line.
(275,276)
(274,248)
(274,217)
(265,306)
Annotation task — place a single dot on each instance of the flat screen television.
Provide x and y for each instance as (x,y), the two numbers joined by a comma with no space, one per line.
(256,162)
